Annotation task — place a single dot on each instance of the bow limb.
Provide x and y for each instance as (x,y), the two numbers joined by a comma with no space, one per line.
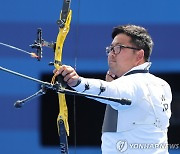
(60,41)
(63,112)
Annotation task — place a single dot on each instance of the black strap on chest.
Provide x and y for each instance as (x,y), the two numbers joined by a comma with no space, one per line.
(111,115)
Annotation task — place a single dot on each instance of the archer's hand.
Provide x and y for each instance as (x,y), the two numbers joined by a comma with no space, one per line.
(110,76)
(69,74)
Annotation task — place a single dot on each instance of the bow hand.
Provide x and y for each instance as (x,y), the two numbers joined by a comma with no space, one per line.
(69,75)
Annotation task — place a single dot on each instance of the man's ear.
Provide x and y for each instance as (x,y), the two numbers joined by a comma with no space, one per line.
(140,55)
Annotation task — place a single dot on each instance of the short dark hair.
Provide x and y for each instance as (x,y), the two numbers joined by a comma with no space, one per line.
(139,37)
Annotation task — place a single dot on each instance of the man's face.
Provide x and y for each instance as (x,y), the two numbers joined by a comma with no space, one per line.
(125,60)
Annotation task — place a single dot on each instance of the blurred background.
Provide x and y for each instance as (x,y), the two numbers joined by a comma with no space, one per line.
(32,129)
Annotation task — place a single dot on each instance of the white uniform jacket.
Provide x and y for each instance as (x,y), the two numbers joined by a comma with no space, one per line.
(142,126)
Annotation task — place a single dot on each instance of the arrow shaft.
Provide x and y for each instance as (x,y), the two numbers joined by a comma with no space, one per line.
(13,47)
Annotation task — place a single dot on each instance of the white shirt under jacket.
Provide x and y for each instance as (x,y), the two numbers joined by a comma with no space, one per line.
(141,126)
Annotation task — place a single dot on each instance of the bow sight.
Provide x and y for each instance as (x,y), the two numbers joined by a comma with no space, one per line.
(39,43)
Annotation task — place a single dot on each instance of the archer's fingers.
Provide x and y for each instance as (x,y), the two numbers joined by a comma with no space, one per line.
(54,71)
(67,70)
(70,76)
(60,70)
(110,76)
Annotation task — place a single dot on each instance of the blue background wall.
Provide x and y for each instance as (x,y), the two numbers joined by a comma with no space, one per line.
(90,33)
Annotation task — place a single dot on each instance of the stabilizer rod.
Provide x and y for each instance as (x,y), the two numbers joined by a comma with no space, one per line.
(59,89)
(20,103)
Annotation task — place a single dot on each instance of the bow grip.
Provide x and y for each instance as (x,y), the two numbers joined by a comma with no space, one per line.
(61,81)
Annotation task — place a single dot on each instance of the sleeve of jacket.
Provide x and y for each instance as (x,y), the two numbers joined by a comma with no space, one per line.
(120,88)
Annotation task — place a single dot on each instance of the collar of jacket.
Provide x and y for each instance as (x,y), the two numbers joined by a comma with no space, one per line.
(143,68)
